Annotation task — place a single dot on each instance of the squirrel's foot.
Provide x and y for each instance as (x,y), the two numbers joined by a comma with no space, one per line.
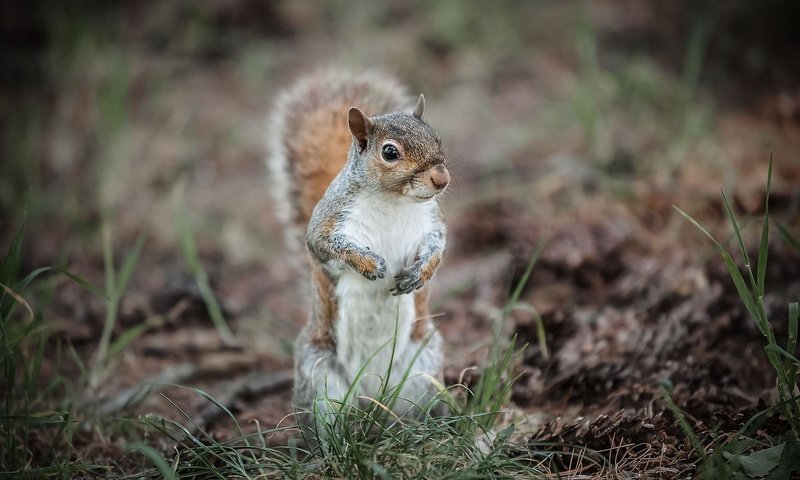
(407,281)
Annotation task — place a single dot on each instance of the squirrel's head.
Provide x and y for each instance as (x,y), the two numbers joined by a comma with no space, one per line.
(401,152)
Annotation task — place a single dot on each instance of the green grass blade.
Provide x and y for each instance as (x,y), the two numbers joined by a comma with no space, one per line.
(108,260)
(764,243)
(78,361)
(81,282)
(9,267)
(126,338)
(733,270)
(793,316)
(192,258)
(773,348)
(40,418)
(791,344)
(31,277)
(506,366)
(129,264)
(699,227)
(197,444)
(744,292)
(681,417)
(22,284)
(115,290)
(739,239)
(790,239)
(524,280)
(222,407)
(154,456)
(212,305)
(541,336)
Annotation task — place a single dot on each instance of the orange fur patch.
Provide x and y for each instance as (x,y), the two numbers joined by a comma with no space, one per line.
(361,263)
(430,268)
(423,320)
(324,308)
(318,151)
(328,226)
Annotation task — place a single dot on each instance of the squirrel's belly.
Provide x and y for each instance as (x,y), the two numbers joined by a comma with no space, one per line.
(371,324)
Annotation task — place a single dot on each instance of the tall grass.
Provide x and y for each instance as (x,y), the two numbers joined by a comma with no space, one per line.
(36,420)
(586,100)
(637,96)
(188,248)
(494,385)
(751,292)
(364,439)
(41,412)
(115,286)
(730,459)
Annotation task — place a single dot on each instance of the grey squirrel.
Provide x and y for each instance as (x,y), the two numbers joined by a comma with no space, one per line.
(355,166)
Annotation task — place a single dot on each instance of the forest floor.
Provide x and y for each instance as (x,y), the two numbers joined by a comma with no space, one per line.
(160,137)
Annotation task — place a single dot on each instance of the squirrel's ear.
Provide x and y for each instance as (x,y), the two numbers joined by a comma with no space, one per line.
(360,126)
(420,106)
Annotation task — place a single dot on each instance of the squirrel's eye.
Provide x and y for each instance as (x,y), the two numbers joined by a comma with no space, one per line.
(389,152)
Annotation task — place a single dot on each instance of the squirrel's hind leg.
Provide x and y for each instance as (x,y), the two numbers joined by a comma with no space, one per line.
(319,392)
(421,389)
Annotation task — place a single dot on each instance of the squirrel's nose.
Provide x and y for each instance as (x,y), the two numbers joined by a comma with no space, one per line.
(440,177)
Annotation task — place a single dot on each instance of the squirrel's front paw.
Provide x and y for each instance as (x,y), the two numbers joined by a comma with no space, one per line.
(371,266)
(407,281)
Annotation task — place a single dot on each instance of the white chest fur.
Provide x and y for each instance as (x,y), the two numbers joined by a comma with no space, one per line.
(373,326)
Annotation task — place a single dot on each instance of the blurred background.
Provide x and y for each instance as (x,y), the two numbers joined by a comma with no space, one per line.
(107,104)
(141,125)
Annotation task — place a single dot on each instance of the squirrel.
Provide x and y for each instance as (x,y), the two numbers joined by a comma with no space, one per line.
(356,167)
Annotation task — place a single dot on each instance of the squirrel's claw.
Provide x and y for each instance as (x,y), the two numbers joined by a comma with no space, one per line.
(407,281)
(396,291)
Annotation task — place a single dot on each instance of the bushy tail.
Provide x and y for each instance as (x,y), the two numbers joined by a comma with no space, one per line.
(308,138)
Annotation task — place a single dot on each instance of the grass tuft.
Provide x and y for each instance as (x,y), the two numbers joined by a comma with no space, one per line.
(751,292)
(192,258)
(116,285)
(368,440)
(36,430)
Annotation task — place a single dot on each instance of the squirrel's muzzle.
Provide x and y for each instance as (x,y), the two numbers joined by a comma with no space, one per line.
(440,177)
